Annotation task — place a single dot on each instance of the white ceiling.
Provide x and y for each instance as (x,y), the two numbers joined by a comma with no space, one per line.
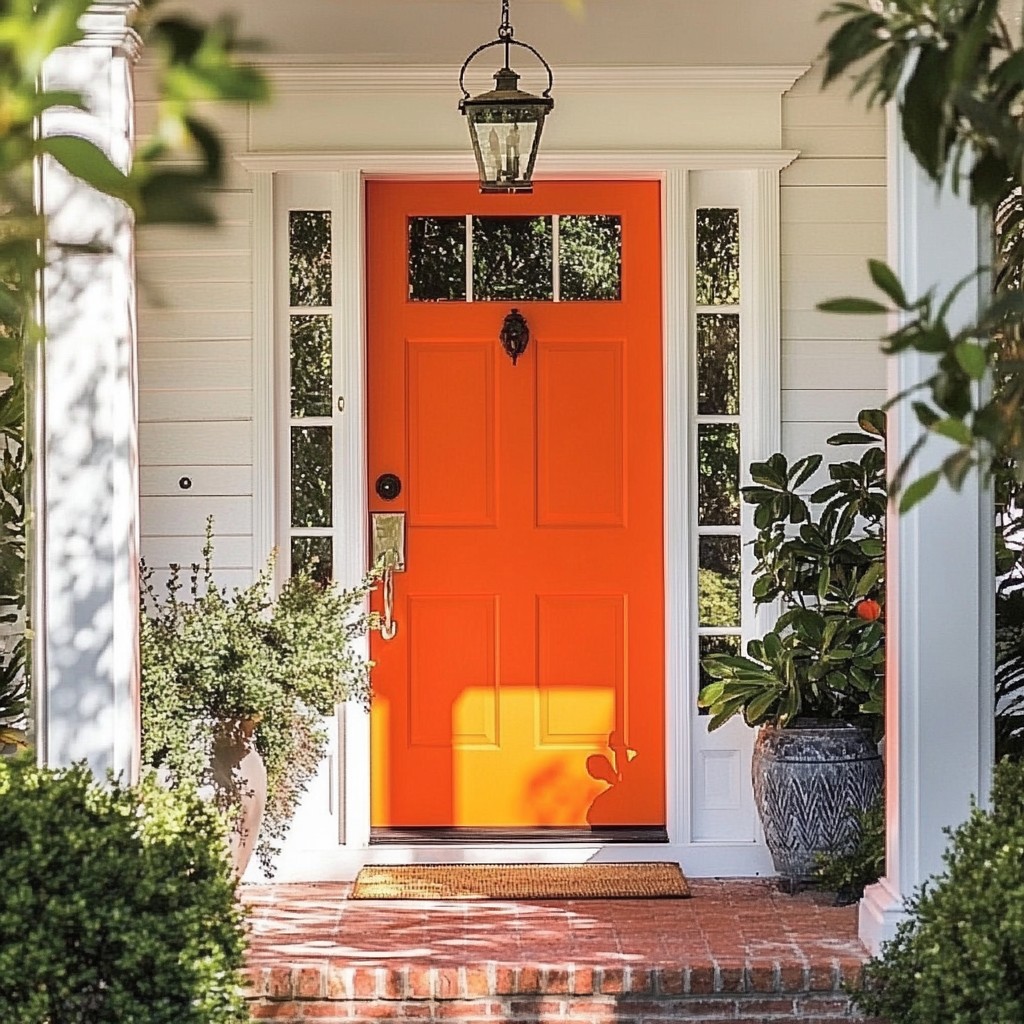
(582,32)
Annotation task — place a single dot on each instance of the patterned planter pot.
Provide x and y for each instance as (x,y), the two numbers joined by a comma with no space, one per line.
(808,781)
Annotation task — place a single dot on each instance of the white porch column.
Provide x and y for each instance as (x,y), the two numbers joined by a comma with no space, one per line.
(85,575)
(939,724)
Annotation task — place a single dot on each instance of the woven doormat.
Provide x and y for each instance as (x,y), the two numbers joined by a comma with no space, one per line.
(641,881)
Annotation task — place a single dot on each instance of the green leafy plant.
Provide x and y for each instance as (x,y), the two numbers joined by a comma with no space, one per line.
(118,903)
(848,872)
(955,69)
(280,663)
(823,557)
(960,956)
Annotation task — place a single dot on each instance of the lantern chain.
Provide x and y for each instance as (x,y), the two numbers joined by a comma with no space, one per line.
(505,30)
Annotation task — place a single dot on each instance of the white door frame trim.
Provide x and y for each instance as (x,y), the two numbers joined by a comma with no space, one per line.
(761,426)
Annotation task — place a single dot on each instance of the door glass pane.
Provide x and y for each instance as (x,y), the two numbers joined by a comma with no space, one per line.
(718,364)
(311,365)
(590,257)
(315,556)
(512,258)
(311,476)
(718,581)
(718,474)
(437,258)
(309,257)
(718,257)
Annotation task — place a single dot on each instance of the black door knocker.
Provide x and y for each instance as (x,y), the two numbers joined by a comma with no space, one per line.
(515,335)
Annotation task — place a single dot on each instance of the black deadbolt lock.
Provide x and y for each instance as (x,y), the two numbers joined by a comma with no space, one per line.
(388,486)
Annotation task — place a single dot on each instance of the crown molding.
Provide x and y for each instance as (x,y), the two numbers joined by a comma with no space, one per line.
(294,76)
(591,163)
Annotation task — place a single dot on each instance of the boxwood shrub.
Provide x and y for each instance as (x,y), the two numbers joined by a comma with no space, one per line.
(117,904)
(959,959)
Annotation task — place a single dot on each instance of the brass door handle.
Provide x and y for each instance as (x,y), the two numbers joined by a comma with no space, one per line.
(388,534)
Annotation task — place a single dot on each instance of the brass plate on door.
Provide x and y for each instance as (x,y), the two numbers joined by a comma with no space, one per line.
(388,539)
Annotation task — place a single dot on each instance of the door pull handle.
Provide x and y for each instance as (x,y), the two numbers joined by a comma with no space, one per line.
(388,533)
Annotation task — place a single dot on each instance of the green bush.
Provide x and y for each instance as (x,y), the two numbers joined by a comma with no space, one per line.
(117,904)
(848,873)
(959,959)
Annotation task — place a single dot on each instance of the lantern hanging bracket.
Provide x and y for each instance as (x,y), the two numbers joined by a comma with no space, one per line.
(506,39)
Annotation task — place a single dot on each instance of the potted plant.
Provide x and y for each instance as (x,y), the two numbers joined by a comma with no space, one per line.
(235,688)
(814,682)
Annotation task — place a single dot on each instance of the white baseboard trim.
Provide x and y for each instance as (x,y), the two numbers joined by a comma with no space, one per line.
(698,860)
(881,911)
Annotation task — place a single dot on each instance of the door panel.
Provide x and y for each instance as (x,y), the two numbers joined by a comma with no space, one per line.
(525,685)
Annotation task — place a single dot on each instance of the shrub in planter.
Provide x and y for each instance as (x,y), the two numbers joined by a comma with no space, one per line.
(279,665)
(117,904)
(959,959)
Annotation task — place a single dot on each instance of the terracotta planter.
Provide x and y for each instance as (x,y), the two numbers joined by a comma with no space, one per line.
(809,779)
(240,777)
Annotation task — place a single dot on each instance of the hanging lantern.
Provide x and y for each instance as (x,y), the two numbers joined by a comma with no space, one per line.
(505,123)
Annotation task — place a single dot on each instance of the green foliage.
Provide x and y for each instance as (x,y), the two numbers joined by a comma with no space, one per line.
(192,62)
(118,904)
(283,663)
(847,874)
(821,660)
(957,73)
(959,959)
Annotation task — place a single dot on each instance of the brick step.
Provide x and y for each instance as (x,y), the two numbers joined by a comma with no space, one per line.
(749,993)
(739,951)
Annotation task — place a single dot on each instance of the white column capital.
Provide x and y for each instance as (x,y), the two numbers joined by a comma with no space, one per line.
(108,25)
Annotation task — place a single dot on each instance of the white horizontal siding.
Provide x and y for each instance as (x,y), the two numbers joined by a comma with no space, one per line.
(213,404)
(186,516)
(816,365)
(195,362)
(203,481)
(828,405)
(196,443)
(833,211)
(164,271)
(228,552)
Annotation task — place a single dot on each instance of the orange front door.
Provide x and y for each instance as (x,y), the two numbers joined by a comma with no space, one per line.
(524,687)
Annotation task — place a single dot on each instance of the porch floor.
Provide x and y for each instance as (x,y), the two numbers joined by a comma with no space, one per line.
(739,950)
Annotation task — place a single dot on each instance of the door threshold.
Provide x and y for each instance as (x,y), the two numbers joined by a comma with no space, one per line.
(429,835)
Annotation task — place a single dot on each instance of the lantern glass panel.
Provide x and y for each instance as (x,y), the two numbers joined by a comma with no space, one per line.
(505,139)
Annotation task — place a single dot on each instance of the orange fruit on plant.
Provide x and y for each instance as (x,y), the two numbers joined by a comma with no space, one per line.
(868,609)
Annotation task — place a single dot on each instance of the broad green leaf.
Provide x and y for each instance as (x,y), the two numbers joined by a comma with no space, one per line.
(872,421)
(756,710)
(972,359)
(926,416)
(919,490)
(85,160)
(846,438)
(887,281)
(804,469)
(954,429)
(852,305)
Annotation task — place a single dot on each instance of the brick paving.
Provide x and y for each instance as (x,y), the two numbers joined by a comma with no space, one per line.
(739,950)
